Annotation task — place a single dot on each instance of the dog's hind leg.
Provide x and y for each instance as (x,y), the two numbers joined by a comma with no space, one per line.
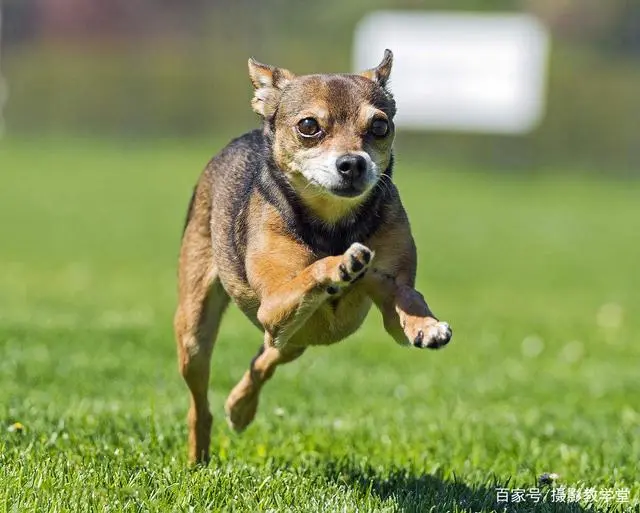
(242,403)
(201,304)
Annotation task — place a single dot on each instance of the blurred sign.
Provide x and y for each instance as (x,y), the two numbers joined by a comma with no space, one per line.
(460,71)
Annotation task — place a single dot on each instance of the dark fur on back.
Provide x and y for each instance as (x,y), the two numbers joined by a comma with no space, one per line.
(232,175)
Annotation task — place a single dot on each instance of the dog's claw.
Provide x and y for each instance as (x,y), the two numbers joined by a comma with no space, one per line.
(436,336)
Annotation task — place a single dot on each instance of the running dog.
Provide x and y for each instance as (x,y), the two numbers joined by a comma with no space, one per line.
(300,224)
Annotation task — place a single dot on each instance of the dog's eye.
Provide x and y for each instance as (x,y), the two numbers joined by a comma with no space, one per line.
(308,127)
(379,127)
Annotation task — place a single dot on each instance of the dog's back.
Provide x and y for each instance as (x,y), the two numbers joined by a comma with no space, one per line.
(221,201)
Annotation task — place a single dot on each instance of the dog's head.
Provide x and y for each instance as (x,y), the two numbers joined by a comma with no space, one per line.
(332,135)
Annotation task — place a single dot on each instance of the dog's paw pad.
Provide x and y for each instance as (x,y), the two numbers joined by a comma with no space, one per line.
(435,336)
(356,265)
(356,262)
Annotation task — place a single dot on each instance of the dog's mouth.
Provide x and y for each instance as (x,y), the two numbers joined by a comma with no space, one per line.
(347,191)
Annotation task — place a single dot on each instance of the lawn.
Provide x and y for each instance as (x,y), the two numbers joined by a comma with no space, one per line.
(538,276)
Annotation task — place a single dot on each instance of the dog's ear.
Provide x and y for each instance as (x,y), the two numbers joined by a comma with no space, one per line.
(380,74)
(268,82)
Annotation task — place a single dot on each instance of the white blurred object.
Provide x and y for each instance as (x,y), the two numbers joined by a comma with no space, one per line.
(460,71)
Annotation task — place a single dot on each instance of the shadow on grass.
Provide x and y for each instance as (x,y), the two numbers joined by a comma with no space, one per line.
(425,493)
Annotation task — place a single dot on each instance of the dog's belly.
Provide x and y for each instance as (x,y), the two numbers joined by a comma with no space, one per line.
(334,320)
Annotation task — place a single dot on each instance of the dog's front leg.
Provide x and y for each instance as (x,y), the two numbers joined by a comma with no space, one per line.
(406,315)
(286,306)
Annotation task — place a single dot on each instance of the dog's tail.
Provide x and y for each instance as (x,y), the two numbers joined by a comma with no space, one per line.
(190,210)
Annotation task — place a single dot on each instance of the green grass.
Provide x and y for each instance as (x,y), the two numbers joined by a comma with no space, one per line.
(537,275)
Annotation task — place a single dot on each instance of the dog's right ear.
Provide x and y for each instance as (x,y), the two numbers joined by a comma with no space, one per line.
(268,82)
(380,74)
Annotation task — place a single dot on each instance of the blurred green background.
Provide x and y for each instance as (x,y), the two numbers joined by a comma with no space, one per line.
(167,68)
(528,245)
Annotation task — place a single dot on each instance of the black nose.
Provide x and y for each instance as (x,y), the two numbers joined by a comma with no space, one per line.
(351,166)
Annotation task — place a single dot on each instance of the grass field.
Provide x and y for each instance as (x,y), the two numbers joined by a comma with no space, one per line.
(537,275)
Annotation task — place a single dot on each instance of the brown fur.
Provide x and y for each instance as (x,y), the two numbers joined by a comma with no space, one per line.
(303,264)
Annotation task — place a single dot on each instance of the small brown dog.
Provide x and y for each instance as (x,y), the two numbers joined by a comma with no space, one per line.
(301,225)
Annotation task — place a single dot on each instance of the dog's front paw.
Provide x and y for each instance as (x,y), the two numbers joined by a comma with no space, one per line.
(355,262)
(431,334)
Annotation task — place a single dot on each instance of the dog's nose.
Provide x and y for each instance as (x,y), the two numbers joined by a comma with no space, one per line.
(351,166)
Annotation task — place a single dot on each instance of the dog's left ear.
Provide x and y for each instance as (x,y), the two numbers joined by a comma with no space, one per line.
(268,82)
(380,74)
